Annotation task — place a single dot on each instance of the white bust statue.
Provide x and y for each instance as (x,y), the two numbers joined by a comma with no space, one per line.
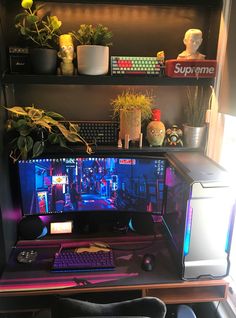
(192,41)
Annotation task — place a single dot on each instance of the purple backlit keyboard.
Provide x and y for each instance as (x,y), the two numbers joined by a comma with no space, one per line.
(69,260)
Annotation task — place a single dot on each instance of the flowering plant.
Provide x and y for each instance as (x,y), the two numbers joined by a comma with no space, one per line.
(33,128)
(43,31)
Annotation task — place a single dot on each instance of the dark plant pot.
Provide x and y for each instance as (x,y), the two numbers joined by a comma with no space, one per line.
(43,60)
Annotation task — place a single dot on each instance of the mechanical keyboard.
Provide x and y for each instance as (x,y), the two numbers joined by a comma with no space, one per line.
(99,132)
(70,260)
(136,65)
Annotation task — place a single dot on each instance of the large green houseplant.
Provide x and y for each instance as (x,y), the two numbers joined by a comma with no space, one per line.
(93,49)
(31,129)
(132,108)
(198,100)
(41,33)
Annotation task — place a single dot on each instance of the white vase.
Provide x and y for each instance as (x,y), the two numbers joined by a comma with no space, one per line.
(193,136)
(130,124)
(93,59)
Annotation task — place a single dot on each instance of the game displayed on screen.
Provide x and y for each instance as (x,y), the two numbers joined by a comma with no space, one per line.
(91,183)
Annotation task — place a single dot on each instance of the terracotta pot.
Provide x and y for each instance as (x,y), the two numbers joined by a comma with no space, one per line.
(93,59)
(130,124)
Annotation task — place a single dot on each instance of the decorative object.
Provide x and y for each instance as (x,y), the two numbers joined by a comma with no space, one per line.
(132,108)
(66,53)
(192,41)
(190,68)
(31,129)
(198,99)
(173,137)
(93,49)
(42,33)
(156,129)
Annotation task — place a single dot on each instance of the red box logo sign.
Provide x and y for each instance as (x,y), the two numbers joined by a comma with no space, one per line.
(190,68)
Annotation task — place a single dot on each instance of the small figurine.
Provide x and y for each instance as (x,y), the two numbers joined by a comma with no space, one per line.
(174,137)
(192,41)
(156,129)
(161,61)
(67,54)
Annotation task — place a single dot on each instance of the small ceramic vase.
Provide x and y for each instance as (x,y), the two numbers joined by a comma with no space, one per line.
(156,129)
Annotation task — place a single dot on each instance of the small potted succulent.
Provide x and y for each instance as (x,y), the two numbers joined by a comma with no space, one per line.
(198,99)
(132,108)
(31,129)
(93,49)
(41,32)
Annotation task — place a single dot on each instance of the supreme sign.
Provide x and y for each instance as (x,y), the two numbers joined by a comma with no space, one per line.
(190,68)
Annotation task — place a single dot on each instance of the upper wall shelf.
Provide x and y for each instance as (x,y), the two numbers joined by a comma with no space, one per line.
(155,2)
(102,80)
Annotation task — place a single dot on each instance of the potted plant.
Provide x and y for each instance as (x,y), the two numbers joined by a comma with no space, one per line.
(93,49)
(42,32)
(132,108)
(195,113)
(32,129)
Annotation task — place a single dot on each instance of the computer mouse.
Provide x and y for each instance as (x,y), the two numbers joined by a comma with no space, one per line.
(148,262)
(27,256)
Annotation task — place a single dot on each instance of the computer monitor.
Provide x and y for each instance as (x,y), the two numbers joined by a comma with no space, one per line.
(94,183)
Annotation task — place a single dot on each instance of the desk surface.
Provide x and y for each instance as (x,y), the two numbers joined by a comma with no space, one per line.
(163,282)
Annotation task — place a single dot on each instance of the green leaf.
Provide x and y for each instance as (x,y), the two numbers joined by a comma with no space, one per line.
(20,123)
(25,144)
(53,138)
(54,115)
(62,141)
(43,124)
(50,120)
(31,19)
(73,127)
(24,130)
(17,110)
(38,149)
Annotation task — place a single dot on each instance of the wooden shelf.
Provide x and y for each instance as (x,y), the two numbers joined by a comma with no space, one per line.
(135,2)
(102,80)
(72,150)
(191,292)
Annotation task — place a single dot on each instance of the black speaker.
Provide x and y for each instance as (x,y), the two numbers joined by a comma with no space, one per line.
(30,228)
(19,60)
(142,223)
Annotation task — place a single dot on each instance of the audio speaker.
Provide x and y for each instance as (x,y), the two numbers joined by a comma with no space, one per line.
(142,223)
(30,228)
(19,60)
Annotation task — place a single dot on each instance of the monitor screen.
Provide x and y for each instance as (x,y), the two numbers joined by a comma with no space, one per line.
(58,185)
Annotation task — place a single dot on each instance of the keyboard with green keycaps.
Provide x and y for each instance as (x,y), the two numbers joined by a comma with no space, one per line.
(136,65)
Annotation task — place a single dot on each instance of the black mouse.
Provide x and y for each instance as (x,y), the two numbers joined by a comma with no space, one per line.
(148,262)
(27,256)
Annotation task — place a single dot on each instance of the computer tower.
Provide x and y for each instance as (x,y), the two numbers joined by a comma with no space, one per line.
(198,215)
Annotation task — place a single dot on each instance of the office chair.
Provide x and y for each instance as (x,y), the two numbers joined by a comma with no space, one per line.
(184,311)
(151,307)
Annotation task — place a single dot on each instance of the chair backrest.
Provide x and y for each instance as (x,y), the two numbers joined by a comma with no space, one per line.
(151,307)
(184,311)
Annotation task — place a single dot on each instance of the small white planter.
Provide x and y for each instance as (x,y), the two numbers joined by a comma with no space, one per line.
(93,59)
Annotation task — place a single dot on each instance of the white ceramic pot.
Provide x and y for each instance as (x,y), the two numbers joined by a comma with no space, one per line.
(93,59)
